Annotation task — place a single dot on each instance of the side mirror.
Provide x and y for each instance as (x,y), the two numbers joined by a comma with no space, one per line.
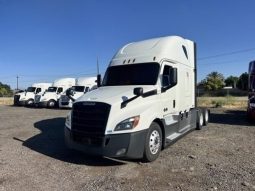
(70,93)
(138,91)
(37,91)
(98,81)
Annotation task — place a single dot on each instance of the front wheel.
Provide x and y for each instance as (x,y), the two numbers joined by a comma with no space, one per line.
(153,143)
(30,102)
(52,104)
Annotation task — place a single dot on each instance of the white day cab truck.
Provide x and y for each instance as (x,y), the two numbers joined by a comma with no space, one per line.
(82,86)
(26,98)
(146,101)
(51,96)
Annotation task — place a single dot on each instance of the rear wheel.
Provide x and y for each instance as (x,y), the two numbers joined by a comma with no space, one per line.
(206,115)
(52,103)
(153,143)
(200,120)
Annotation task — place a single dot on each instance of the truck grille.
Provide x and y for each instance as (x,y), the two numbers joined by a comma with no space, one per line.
(89,120)
(64,98)
(37,98)
(16,99)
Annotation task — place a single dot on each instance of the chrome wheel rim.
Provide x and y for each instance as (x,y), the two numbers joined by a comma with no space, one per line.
(201,120)
(206,116)
(51,104)
(154,142)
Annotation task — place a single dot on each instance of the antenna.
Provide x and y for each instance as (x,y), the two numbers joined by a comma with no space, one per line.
(98,75)
(97,67)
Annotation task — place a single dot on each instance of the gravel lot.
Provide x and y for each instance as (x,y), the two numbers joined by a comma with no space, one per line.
(33,156)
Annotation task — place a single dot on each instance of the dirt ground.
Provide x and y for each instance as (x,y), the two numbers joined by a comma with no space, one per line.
(33,156)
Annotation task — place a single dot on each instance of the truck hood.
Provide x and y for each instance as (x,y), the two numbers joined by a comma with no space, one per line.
(26,95)
(141,106)
(48,95)
(113,94)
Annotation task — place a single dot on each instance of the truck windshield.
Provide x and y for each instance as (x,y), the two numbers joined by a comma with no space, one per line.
(31,89)
(132,74)
(52,89)
(78,88)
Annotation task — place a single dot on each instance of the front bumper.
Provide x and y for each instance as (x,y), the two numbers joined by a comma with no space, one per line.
(65,104)
(41,104)
(128,145)
(22,103)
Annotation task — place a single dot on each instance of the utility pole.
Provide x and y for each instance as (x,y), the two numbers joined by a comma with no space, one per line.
(17,82)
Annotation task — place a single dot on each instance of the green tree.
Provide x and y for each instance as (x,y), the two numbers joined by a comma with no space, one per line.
(231,81)
(214,81)
(5,90)
(242,82)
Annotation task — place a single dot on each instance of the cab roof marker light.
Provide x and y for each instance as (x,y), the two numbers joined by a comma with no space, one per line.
(133,60)
(124,61)
(154,58)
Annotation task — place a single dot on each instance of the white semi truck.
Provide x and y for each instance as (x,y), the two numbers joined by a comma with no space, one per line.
(82,86)
(51,96)
(147,100)
(27,98)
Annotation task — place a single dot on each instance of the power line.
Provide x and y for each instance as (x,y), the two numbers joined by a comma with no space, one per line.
(222,62)
(226,54)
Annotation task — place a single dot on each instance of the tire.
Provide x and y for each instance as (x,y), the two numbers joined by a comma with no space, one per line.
(200,120)
(30,102)
(52,103)
(206,116)
(153,143)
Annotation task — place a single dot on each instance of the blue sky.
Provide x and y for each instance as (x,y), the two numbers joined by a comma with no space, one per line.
(41,40)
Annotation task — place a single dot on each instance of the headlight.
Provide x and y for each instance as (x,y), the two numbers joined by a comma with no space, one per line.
(252,104)
(127,124)
(68,121)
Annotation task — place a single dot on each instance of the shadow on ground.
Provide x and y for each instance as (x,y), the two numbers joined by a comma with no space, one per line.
(230,117)
(51,142)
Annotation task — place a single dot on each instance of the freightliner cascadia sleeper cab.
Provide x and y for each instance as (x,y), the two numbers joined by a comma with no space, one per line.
(27,98)
(146,101)
(82,86)
(51,97)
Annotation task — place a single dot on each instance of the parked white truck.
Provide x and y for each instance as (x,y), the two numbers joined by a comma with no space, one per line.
(51,96)
(147,101)
(82,86)
(27,98)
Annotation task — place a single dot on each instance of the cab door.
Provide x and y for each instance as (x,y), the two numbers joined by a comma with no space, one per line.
(168,97)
